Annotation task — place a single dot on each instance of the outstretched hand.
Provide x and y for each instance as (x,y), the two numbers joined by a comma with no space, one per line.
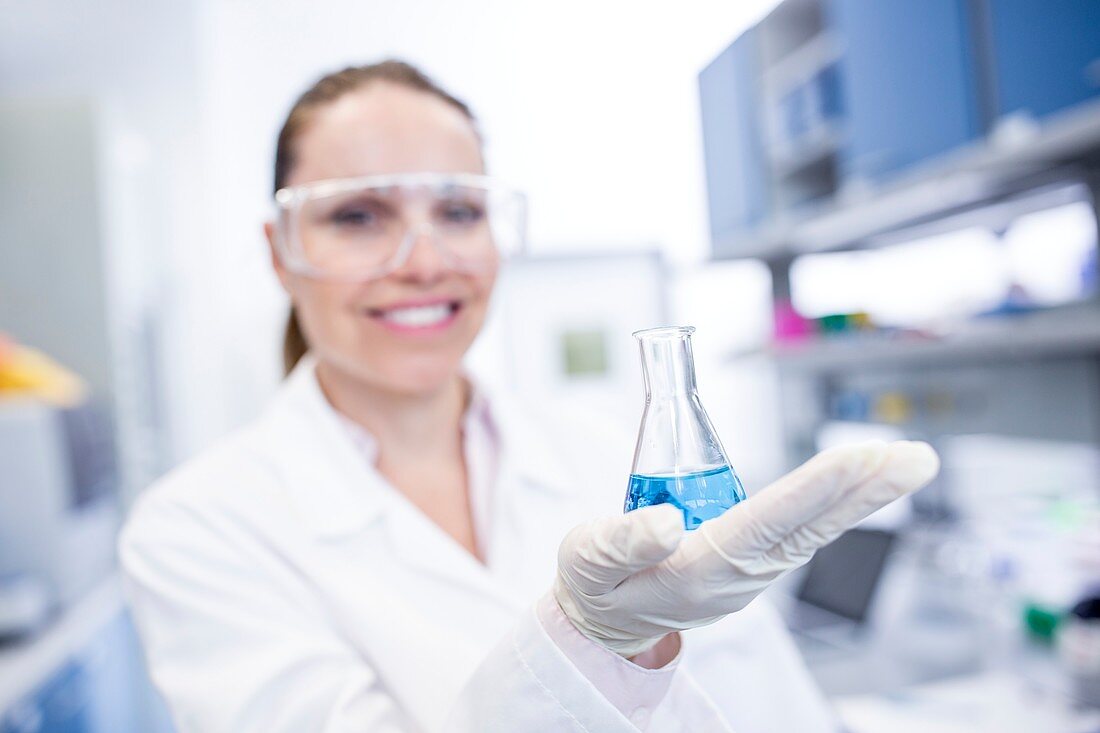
(627,581)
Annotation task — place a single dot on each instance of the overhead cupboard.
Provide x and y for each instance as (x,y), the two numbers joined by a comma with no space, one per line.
(826,104)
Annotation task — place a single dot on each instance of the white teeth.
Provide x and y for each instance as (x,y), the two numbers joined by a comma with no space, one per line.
(427,315)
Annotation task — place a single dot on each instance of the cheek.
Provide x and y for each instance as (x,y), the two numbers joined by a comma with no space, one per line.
(481,289)
(482,285)
(322,308)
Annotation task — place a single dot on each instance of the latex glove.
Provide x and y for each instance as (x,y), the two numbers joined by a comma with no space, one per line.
(627,581)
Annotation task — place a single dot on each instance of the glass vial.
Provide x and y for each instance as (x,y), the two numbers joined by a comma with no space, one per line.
(678,459)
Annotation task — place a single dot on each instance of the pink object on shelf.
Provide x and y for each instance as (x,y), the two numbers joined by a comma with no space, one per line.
(790,326)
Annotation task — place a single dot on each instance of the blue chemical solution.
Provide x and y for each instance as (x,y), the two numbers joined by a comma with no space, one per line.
(701,495)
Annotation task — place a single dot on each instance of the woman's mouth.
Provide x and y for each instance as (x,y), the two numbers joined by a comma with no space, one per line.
(420,318)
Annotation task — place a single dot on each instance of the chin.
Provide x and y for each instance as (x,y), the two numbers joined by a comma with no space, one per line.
(418,378)
(407,376)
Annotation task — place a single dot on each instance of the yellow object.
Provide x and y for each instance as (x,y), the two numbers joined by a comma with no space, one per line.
(860,321)
(894,408)
(28,372)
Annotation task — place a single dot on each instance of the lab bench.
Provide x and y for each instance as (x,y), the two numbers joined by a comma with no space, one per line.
(934,650)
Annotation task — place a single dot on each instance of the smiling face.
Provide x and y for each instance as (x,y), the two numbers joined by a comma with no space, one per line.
(408,331)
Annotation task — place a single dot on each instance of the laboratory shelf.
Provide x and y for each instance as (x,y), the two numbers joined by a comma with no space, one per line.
(815,148)
(1017,157)
(832,122)
(1037,335)
(842,125)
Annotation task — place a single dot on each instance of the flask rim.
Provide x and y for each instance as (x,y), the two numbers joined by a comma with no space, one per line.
(668,332)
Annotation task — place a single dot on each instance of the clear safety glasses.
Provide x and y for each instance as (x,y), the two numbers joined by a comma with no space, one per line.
(365,228)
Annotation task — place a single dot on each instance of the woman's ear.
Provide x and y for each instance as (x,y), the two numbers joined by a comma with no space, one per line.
(276,263)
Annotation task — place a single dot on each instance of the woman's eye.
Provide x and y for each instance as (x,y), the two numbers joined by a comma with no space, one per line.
(353,217)
(459,213)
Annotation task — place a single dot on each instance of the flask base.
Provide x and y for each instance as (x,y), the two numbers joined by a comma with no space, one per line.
(700,495)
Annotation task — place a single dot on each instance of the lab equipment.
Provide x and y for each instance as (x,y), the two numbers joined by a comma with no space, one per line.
(695,578)
(1079,650)
(678,459)
(29,373)
(58,499)
(364,228)
(842,577)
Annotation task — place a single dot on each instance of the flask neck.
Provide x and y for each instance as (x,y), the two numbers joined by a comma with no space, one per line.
(668,367)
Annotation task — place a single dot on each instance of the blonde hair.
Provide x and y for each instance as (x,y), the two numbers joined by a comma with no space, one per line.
(327,90)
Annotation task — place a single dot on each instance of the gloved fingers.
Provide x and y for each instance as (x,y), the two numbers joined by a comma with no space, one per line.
(597,556)
(888,484)
(823,497)
(909,466)
(799,497)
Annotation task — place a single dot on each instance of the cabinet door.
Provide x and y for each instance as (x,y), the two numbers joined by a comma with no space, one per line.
(1046,54)
(737,183)
(908,75)
(103,688)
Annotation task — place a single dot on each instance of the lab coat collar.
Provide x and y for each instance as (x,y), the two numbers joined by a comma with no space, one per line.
(333,489)
(524,451)
(342,493)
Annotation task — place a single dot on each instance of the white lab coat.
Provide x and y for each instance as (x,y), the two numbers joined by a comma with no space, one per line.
(280,584)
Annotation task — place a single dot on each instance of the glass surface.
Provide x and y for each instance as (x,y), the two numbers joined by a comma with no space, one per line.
(678,458)
(699,496)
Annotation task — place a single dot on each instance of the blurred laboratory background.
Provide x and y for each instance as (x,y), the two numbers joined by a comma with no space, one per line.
(880,216)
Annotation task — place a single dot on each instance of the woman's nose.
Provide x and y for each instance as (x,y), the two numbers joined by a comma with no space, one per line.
(424,258)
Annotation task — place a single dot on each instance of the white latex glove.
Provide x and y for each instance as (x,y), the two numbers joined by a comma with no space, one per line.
(627,581)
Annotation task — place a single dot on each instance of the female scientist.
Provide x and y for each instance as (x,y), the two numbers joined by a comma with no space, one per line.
(388,547)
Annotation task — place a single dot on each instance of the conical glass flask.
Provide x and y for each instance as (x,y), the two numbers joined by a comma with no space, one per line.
(678,459)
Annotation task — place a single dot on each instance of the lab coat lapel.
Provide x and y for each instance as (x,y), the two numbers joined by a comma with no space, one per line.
(429,551)
(533,504)
(333,490)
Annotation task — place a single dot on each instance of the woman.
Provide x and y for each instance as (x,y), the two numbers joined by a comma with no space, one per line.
(374,553)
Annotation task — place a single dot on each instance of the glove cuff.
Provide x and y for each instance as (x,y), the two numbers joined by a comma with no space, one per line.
(622,643)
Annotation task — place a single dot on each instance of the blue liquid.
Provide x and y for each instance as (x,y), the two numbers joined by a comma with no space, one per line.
(700,496)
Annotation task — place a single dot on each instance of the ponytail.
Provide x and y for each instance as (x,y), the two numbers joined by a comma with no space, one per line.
(294,343)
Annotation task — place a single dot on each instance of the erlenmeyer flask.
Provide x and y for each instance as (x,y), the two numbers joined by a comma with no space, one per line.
(678,459)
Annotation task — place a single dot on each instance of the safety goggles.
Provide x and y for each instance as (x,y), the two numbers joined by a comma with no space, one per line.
(365,228)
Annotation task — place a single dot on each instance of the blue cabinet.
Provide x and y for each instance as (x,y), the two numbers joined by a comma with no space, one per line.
(910,82)
(101,689)
(737,181)
(57,707)
(1046,55)
(875,94)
